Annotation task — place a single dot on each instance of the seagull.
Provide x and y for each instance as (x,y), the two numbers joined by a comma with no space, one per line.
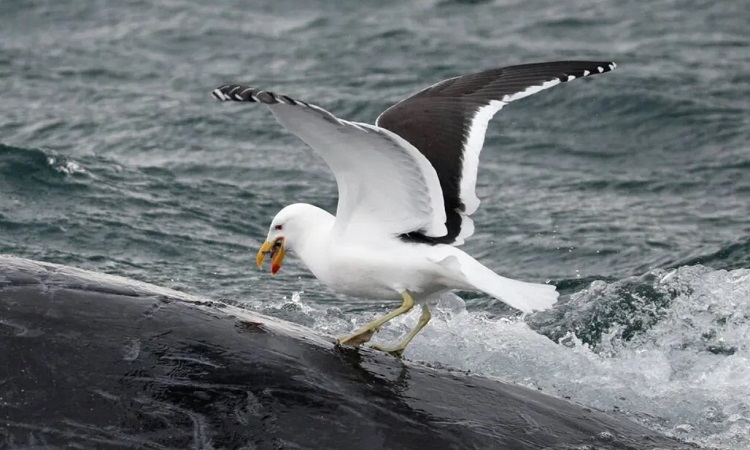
(406,193)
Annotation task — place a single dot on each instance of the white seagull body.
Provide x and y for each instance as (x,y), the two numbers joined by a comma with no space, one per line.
(406,191)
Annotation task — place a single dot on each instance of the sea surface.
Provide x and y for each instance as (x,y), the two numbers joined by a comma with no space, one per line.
(630,190)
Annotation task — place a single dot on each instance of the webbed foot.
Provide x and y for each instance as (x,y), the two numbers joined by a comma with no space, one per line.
(358,338)
(397,351)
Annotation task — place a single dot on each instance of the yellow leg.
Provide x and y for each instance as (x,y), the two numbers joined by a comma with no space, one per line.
(365,333)
(399,349)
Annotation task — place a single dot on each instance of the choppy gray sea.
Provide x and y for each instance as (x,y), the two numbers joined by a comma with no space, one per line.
(630,191)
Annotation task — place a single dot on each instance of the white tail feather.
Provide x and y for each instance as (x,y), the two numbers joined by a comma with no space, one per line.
(527,297)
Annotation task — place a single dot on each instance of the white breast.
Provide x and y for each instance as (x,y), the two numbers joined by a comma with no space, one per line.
(380,269)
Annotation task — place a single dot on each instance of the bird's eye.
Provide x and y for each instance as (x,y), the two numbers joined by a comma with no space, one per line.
(278,227)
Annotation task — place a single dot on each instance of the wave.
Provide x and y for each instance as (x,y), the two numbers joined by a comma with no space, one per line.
(670,349)
(18,165)
(731,256)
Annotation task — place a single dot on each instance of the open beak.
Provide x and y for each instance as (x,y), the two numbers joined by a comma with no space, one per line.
(277,251)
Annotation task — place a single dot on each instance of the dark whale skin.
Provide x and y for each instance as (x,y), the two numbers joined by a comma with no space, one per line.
(95,361)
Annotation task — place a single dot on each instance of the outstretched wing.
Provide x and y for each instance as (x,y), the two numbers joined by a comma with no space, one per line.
(448,120)
(385,184)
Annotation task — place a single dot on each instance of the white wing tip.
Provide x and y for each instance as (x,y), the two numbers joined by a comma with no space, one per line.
(467,229)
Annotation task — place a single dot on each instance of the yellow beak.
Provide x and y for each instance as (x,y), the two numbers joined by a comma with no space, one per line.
(277,251)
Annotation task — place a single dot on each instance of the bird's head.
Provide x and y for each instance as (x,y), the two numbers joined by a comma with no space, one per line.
(289,230)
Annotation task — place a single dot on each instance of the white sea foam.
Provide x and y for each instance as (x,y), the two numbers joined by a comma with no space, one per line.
(65,166)
(687,374)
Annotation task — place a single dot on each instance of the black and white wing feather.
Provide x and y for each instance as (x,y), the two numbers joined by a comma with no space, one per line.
(385,184)
(414,173)
(448,120)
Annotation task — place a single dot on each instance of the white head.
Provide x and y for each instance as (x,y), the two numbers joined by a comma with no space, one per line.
(289,230)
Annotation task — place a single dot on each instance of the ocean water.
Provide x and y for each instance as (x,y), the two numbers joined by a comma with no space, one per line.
(630,191)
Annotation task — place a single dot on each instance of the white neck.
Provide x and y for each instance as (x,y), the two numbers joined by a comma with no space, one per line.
(309,234)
